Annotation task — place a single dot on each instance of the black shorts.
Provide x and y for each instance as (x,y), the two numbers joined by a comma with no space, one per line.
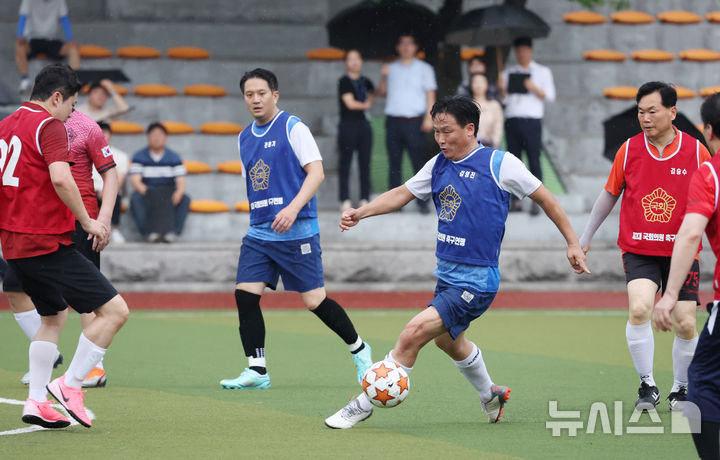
(84,245)
(50,48)
(657,269)
(60,278)
(11,282)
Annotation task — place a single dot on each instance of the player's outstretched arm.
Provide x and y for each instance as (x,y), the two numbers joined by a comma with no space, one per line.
(686,246)
(556,213)
(601,209)
(109,195)
(390,201)
(287,215)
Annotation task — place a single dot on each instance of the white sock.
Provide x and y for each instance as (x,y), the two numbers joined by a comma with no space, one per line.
(364,402)
(29,321)
(473,368)
(682,353)
(99,365)
(389,357)
(86,357)
(256,362)
(354,346)
(641,344)
(42,356)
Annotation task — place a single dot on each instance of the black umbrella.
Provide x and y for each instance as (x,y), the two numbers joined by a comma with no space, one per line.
(88,76)
(496,25)
(374,26)
(625,125)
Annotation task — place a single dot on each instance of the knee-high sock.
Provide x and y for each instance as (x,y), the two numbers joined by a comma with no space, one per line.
(474,370)
(334,317)
(682,353)
(42,356)
(252,327)
(29,321)
(641,344)
(86,357)
(389,357)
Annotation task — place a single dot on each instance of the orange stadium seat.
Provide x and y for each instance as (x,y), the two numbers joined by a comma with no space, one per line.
(94,52)
(187,52)
(631,17)
(242,206)
(679,17)
(709,90)
(620,92)
(208,206)
(468,53)
(178,127)
(125,127)
(326,54)
(197,167)
(121,90)
(702,55)
(138,52)
(652,55)
(230,167)
(204,90)
(604,55)
(584,17)
(685,93)
(700,127)
(155,90)
(713,16)
(220,127)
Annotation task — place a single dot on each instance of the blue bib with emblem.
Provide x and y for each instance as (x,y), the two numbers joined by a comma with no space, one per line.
(471,207)
(272,171)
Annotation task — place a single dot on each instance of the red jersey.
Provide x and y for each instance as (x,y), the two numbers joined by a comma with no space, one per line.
(33,219)
(655,194)
(703,200)
(88,147)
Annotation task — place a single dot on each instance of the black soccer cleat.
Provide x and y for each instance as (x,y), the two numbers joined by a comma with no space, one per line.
(677,398)
(58,361)
(648,397)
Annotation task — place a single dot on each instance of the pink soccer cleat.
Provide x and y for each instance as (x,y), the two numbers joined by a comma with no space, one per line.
(43,414)
(71,399)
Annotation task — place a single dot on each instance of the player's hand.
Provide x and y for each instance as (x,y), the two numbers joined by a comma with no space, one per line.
(284,219)
(661,315)
(98,229)
(576,257)
(385,70)
(348,219)
(98,244)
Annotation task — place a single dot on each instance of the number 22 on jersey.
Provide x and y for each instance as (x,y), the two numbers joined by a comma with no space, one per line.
(9,156)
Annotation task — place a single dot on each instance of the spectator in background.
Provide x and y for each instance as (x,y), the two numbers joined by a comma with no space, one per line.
(525,88)
(410,87)
(122,164)
(490,126)
(354,132)
(476,64)
(159,203)
(98,95)
(38,33)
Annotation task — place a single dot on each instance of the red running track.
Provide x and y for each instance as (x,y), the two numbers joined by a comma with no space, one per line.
(560,300)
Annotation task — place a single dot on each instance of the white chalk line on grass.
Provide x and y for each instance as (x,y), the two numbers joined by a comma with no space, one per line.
(31,428)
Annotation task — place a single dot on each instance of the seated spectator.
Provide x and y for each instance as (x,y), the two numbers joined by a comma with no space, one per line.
(159,203)
(38,33)
(490,127)
(98,95)
(476,64)
(122,164)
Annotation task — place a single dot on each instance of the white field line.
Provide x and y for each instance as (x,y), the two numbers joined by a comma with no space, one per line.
(31,428)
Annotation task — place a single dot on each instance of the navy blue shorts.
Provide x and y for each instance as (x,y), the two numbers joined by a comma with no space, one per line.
(458,306)
(298,262)
(704,370)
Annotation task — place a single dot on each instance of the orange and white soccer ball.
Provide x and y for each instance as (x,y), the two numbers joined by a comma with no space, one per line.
(386,384)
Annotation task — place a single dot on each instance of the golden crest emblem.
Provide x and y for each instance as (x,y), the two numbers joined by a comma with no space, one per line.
(658,206)
(260,176)
(449,203)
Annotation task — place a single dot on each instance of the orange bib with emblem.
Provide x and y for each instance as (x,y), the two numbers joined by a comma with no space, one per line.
(655,194)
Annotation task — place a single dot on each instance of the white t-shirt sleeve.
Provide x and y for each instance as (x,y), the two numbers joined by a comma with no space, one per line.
(303,144)
(420,184)
(429,80)
(515,177)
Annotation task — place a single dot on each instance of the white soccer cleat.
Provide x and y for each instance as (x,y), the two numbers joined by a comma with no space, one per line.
(494,407)
(348,416)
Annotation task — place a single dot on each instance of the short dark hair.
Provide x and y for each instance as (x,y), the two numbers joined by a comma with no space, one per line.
(104,126)
(710,113)
(53,78)
(156,124)
(523,41)
(668,95)
(96,84)
(406,34)
(476,57)
(463,108)
(262,74)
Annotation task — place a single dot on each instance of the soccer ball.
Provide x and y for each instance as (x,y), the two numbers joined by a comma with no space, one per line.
(386,384)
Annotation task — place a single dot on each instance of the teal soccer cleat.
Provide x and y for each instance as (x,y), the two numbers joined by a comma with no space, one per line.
(363,361)
(248,380)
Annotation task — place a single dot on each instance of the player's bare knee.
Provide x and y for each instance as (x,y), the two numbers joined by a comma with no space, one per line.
(639,313)
(115,311)
(19,302)
(685,326)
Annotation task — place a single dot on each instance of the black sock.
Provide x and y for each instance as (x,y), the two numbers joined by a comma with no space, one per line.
(334,317)
(359,349)
(259,369)
(252,325)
